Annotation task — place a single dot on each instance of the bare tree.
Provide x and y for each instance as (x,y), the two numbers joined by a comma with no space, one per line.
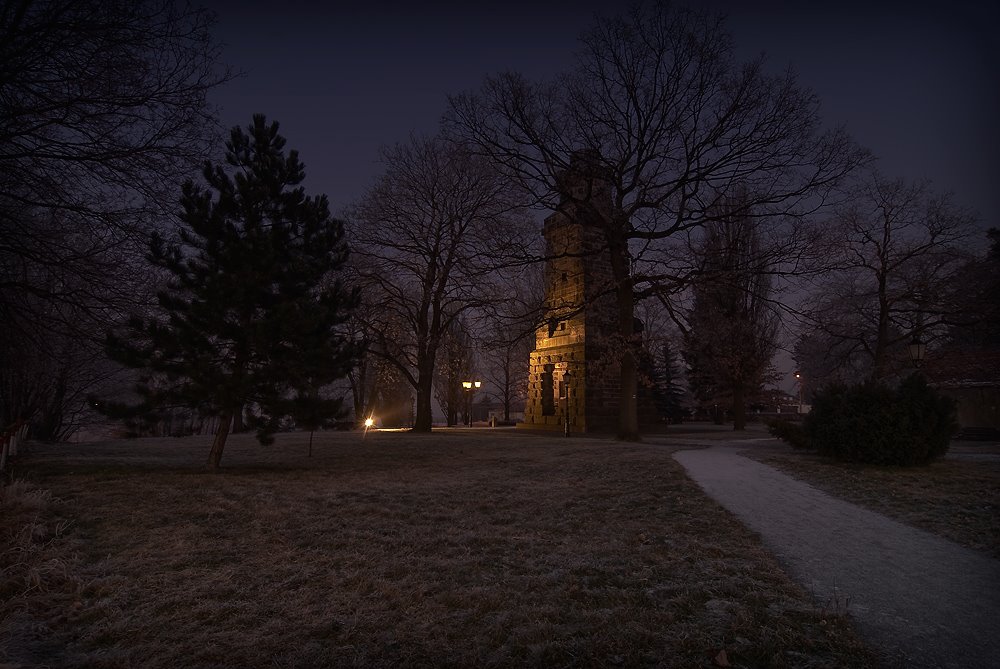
(902,248)
(428,240)
(103,112)
(675,123)
(508,336)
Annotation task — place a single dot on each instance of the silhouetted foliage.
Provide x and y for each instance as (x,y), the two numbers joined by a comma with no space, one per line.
(874,424)
(792,433)
(901,249)
(455,364)
(668,390)
(977,298)
(103,113)
(252,313)
(732,326)
(672,119)
(429,238)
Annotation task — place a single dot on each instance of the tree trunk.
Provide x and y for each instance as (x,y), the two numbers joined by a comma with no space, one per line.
(628,416)
(507,391)
(219,443)
(422,423)
(452,417)
(238,425)
(48,424)
(739,408)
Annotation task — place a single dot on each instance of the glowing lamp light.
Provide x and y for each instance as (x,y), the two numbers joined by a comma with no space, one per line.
(369,422)
(467,384)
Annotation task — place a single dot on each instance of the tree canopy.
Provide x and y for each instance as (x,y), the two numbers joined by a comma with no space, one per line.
(252,312)
(430,238)
(676,124)
(103,114)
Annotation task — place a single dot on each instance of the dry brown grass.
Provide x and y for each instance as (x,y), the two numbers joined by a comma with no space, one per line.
(450,550)
(957,498)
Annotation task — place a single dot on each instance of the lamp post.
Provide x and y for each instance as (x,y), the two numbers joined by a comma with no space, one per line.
(798,378)
(918,350)
(470,388)
(566,380)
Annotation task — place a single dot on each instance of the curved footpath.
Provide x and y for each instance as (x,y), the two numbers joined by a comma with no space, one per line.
(923,600)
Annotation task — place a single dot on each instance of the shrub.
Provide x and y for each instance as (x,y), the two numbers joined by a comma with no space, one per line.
(929,416)
(874,424)
(789,432)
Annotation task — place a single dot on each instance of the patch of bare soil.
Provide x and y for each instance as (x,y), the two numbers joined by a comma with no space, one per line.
(449,550)
(957,498)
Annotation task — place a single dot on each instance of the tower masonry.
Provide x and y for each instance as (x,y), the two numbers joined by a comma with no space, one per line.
(580,326)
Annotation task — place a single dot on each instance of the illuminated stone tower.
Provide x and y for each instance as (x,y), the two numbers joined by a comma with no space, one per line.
(580,311)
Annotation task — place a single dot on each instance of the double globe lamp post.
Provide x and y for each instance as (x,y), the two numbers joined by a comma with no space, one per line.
(470,388)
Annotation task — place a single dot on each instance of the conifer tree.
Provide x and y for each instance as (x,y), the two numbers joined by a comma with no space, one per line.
(252,313)
(732,327)
(670,392)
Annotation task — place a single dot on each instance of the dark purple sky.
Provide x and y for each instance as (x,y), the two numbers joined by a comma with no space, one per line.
(917,83)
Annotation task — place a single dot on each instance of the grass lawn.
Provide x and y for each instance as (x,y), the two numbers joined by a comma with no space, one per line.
(449,550)
(957,498)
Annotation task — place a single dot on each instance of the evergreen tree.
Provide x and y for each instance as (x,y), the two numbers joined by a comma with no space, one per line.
(252,313)
(732,329)
(455,365)
(670,393)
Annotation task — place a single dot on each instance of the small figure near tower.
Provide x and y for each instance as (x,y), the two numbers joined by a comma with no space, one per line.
(571,385)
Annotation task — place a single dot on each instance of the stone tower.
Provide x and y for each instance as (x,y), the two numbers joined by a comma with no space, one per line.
(580,311)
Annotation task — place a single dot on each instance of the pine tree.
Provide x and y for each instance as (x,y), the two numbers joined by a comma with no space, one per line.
(732,329)
(252,313)
(670,392)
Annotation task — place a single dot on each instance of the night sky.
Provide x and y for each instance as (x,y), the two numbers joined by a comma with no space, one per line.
(919,84)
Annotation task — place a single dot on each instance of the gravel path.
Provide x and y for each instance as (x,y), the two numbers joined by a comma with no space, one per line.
(924,600)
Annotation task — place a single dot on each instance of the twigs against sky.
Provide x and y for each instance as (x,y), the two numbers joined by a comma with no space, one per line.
(431,239)
(674,124)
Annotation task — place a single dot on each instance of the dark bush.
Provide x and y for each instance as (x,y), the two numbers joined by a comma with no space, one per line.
(789,432)
(929,416)
(873,424)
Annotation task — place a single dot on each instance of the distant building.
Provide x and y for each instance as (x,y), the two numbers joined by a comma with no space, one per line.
(972,378)
(490,411)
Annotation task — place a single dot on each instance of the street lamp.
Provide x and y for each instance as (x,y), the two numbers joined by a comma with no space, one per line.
(798,378)
(918,350)
(470,388)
